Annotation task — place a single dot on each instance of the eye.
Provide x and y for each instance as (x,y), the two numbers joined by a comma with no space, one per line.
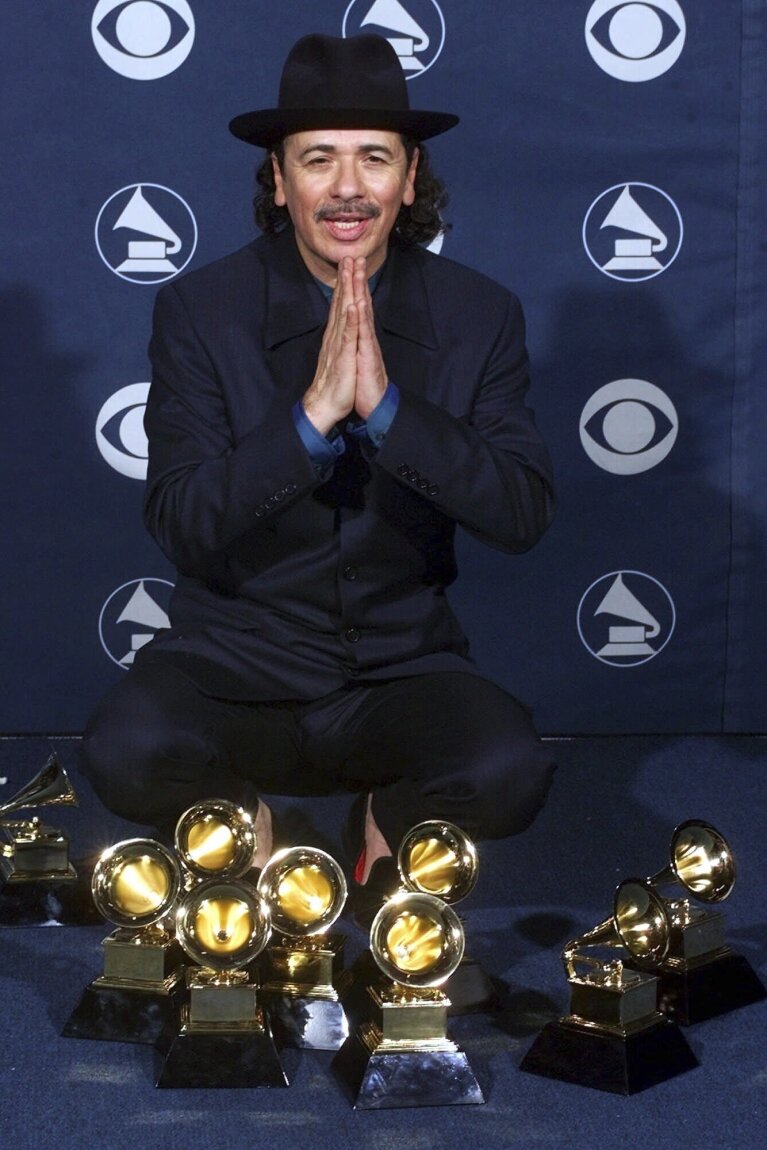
(120,434)
(635,41)
(143,27)
(628,426)
(143,39)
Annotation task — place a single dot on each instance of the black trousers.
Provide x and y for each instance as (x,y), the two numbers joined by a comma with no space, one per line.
(447,745)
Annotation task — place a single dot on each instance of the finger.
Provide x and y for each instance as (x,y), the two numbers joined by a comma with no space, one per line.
(360,281)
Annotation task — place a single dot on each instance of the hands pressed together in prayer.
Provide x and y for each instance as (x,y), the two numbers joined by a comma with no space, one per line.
(351,375)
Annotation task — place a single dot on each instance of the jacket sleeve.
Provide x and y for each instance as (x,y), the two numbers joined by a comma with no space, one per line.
(485,468)
(206,488)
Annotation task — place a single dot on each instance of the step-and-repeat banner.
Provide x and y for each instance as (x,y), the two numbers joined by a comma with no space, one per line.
(609,168)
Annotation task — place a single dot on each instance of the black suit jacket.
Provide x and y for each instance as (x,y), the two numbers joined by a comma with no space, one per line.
(288,586)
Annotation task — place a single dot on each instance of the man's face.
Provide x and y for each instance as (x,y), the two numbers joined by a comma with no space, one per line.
(343,189)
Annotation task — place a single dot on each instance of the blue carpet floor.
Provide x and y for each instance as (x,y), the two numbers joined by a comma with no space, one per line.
(610,815)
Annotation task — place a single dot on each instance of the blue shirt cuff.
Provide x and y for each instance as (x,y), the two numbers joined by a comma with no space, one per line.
(380,419)
(323,451)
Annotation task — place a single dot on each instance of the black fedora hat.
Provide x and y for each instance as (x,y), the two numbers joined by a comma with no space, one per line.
(332,82)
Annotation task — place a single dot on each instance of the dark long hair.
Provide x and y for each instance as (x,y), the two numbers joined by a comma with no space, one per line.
(418,224)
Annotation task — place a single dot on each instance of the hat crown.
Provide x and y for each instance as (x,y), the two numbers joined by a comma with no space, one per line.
(331,82)
(332,72)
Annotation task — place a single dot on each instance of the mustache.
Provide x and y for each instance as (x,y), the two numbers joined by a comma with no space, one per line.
(346,208)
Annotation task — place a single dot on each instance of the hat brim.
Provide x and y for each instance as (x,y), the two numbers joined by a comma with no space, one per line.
(267,127)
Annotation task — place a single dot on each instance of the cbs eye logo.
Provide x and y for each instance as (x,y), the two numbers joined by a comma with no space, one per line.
(628,426)
(143,39)
(635,42)
(120,434)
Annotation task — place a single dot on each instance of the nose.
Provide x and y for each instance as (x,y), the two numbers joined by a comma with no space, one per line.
(348,183)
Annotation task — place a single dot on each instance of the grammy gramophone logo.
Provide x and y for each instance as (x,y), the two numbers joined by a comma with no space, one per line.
(626,618)
(146,233)
(633,231)
(132,616)
(414,28)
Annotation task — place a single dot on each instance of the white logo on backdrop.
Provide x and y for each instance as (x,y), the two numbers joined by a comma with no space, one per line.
(131,616)
(645,616)
(143,39)
(162,219)
(120,431)
(415,29)
(633,231)
(628,426)
(635,42)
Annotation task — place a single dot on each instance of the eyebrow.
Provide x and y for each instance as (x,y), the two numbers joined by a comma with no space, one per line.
(330,149)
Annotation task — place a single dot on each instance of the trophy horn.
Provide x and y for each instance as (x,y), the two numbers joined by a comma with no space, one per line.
(216,839)
(136,883)
(305,890)
(700,860)
(439,859)
(640,923)
(417,939)
(223,924)
(50,786)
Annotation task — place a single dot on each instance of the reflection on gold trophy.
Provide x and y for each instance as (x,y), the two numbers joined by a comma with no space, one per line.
(215,839)
(701,976)
(222,1037)
(31,851)
(135,885)
(399,1053)
(615,1038)
(305,891)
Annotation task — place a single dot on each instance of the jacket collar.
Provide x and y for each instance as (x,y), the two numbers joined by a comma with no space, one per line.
(295,305)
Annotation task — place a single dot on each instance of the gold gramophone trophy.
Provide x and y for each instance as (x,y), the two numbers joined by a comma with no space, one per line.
(399,1053)
(305,891)
(215,838)
(222,1036)
(31,851)
(135,885)
(38,883)
(615,1038)
(701,976)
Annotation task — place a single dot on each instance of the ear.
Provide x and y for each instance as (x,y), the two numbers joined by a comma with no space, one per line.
(279,189)
(409,194)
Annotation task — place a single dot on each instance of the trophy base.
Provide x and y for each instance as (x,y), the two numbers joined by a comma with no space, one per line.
(618,1063)
(393,1079)
(696,993)
(218,1055)
(112,1014)
(306,1022)
(45,902)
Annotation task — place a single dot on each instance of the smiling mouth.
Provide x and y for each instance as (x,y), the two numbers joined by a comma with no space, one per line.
(343,228)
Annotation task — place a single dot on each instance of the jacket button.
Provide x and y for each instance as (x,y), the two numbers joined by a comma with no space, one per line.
(260,513)
(352,635)
(423,484)
(403,470)
(290,488)
(350,573)
(279,496)
(434,489)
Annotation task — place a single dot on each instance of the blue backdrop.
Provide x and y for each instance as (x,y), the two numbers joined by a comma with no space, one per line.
(609,168)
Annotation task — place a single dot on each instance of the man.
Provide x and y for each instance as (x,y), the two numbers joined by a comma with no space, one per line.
(326,405)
